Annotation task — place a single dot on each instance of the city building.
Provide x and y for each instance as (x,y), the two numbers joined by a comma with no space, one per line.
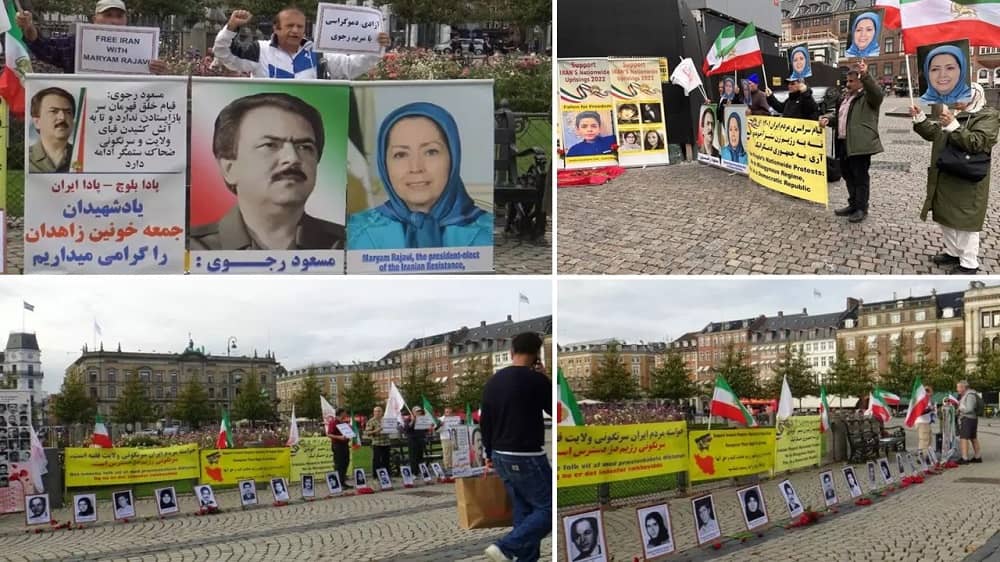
(687,346)
(332,378)
(21,368)
(716,338)
(579,361)
(982,321)
(164,376)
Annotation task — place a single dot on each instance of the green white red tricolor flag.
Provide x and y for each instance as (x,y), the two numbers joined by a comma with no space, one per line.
(732,52)
(888,397)
(877,406)
(950,399)
(17,62)
(919,399)
(225,438)
(891,19)
(726,404)
(935,21)
(101,437)
(824,411)
(569,411)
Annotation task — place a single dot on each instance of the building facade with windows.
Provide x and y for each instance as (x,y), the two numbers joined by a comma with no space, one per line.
(815,336)
(21,368)
(579,361)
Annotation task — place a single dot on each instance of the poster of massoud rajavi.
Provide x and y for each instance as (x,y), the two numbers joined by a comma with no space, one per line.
(268,176)
(105,161)
(428,202)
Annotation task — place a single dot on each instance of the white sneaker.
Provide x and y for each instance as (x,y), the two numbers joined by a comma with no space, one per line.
(494,553)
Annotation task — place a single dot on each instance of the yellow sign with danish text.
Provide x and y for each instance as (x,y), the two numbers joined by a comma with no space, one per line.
(229,466)
(725,453)
(595,454)
(797,443)
(128,465)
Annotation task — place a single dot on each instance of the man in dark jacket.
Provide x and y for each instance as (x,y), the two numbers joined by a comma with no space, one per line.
(800,103)
(758,99)
(855,122)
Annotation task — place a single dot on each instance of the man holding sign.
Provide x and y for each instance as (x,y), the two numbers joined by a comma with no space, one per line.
(288,54)
(340,443)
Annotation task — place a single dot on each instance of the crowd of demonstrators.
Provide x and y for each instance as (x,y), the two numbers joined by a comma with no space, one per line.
(633,411)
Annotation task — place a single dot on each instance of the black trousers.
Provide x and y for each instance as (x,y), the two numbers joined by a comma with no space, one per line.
(855,172)
(380,457)
(341,458)
(416,447)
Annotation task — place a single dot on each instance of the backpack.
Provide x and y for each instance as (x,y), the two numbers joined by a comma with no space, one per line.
(980,406)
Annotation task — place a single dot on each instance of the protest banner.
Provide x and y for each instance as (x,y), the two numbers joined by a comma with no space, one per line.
(788,156)
(115,49)
(725,453)
(638,99)
(461,456)
(796,443)
(105,181)
(453,191)
(347,29)
(15,447)
(733,153)
(595,454)
(586,113)
(229,466)
(129,465)
(708,137)
(231,189)
(311,455)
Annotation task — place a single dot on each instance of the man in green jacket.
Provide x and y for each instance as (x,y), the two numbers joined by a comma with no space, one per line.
(856,124)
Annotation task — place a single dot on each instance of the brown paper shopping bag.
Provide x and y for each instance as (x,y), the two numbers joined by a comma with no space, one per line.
(483,502)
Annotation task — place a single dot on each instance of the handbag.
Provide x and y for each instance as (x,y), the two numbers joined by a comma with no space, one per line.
(956,162)
(483,502)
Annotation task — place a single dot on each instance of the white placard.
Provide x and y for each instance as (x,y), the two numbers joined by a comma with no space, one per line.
(346,430)
(348,29)
(425,421)
(115,49)
(450,421)
(460,457)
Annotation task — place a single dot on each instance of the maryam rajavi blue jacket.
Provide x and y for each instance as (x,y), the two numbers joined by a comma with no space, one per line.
(371,230)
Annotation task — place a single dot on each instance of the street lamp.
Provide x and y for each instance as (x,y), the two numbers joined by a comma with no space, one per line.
(230,344)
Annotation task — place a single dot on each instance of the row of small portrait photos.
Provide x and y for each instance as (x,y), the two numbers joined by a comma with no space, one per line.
(85,505)
(584,531)
(15,439)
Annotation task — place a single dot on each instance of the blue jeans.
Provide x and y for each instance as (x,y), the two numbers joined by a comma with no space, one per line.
(529,484)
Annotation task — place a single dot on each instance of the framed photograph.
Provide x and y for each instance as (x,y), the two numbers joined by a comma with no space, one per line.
(852,481)
(308,490)
(829,489)
(384,482)
(248,492)
(205,496)
(359,478)
(36,509)
(911,465)
(166,500)
(752,506)
(425,473)
(438,471)
(932,454)
(407,475)
(584,532)
(279,489)
(124,504)
(655,530)
(865,34)
(792,500)
(900,469)
(944,76)
(923,461)
(705,523)
(333,483)
(872,478)
(883,465)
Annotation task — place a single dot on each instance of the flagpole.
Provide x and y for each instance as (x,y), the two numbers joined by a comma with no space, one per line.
(909,81)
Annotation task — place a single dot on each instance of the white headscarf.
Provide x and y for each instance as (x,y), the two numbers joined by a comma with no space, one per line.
(978,101)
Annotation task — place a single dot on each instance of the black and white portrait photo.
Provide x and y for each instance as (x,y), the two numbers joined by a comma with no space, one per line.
(932,455)
(791,498)
(85,508)
(852,482)
(308,491)
(585,537)
(872,478)
(166,500)
(124,504)
(752,503)
(923,461)
(829,490)
(248,492)
(900,469)
(655,530)
(384,481)
(705,524)
(911,465)
(279,489)
(438,471)
(883,465)
(407,475)
(425,473)
(205,495)
(359,478)
(333,483)
(36,509)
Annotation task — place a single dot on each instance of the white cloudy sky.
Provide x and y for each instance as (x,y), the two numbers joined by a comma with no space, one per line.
(665,309)
(302,320)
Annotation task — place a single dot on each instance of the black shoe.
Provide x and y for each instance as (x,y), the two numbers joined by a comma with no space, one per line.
(846,211)
(960,270)
(857,216)
(945,259)
(977,459)
(961,461)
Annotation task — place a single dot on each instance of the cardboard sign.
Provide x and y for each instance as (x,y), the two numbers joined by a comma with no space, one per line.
(424,422)
(345,430)
(348,29)
(115,49)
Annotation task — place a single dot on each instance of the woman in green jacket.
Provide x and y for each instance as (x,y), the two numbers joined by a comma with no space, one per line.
(958,205)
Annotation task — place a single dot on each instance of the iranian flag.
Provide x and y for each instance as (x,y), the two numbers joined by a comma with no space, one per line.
(936,21)
(569,412)
(919,399)
(726,404)
(468,414)
(101,437)
(725,40)
(891,19)
(950,399)
(293,431)
(888,397)
(877,407)
(356,441)
(428,409)
(744,52)
(225,438)
(17,62)
(824,411)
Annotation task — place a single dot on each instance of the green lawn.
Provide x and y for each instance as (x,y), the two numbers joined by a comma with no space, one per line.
(587,495)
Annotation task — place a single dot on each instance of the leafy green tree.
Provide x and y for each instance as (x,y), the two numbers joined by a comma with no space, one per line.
(193,407)
(987,373)
(801,381)
(672,380)
(307,404)
(360,397)
(417,383)
(858,380)
(252,402)
(898,379)
(133,406)
(612,380)
(470,385)
(839,376)
(73,404)
(951,370)
(742,378)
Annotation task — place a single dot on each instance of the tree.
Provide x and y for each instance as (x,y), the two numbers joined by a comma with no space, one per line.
(612,380)
(471,384)
(838,379)
(987,373)
(672,380)
(951,370)
(192,406)
(307,404)
(360,397)
(133,405)
(741,377)
(72,404)
(899,378)
(252,402)
(417,383)
(798,371)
